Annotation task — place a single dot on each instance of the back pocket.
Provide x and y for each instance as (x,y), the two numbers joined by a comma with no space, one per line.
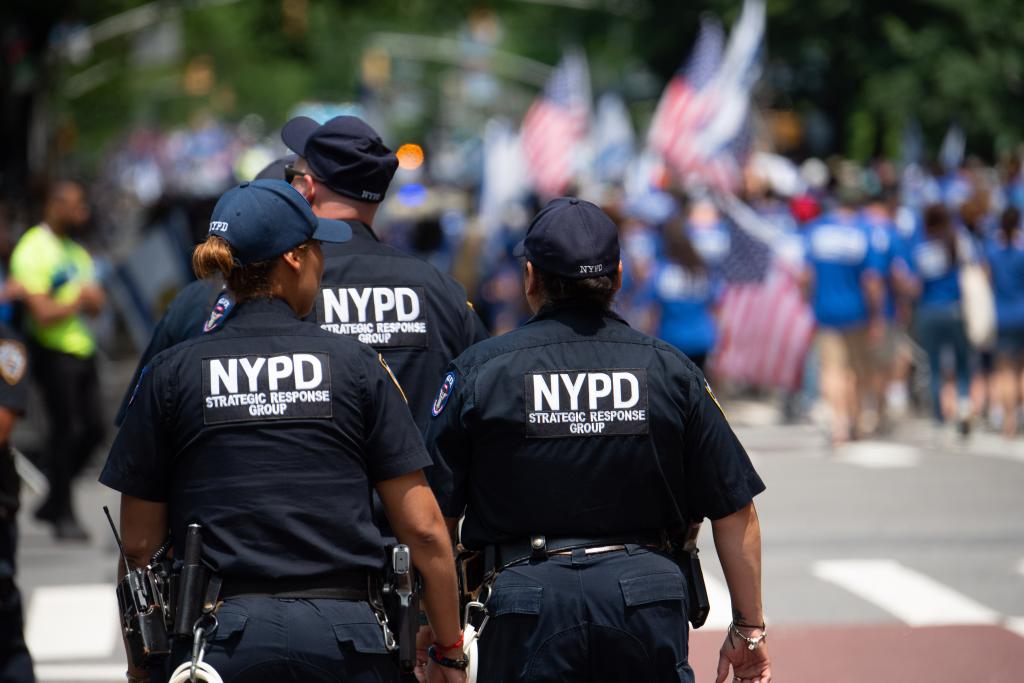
(515,600)
(643,590)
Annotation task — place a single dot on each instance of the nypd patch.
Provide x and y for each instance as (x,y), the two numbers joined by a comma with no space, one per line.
(220,312)
(443,394)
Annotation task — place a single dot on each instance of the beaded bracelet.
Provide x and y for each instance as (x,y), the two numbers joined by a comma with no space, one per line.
(437,658)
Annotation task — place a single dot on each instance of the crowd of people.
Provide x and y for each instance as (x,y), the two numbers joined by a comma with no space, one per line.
(880,256)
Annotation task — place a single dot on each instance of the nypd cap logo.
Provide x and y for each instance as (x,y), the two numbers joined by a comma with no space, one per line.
(443,394)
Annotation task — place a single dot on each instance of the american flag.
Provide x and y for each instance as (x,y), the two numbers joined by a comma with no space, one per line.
(556,125)
(766,327)
(687,104)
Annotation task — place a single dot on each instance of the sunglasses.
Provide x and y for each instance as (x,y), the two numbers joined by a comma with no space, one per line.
(291,173)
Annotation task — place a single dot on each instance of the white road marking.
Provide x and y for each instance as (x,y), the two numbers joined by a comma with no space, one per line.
(80,672)
(910,596)
(721,606)
(72,622)
(1016,625)
(879,455)
(995,446)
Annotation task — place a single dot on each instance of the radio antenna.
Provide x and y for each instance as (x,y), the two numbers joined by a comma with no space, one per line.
(120,546)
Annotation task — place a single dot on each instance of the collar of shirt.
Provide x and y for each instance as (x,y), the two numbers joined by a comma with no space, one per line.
(264,306)
(569,311)
(363,231)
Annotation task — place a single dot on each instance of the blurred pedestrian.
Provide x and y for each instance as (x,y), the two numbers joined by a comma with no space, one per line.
(934,259)
(886,244)
(61,290)
(15,661)
(1006,259)
(845,289)
(683,295)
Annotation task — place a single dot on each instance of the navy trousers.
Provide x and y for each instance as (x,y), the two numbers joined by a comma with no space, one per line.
(617,616)
(15,663)
(268,640)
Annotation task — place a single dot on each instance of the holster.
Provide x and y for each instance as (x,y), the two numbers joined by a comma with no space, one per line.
(142,618)
(685,553)
(401,598)
(191,585)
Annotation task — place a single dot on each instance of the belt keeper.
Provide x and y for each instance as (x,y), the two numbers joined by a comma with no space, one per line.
(538,547)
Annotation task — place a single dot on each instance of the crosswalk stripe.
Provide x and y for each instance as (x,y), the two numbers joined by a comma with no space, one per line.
(82,673)
(879,455)
(72,622)
(1016,625)
(910,596)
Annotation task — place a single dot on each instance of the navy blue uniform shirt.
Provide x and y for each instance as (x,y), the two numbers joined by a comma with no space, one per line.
(564,427)
(270,433)
(417,317)
(185,318)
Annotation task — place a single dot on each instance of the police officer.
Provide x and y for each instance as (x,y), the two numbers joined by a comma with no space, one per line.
(200,307)
(15,662)
(417,317)
(270,434)
(574,443)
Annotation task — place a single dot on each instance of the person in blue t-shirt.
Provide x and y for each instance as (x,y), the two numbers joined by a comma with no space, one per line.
(846,292)
(934,259)
(1006,258)
(886,244)
(684,292)
(709,235)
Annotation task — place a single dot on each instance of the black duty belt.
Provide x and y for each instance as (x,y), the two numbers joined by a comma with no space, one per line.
(352,586)
(541,547)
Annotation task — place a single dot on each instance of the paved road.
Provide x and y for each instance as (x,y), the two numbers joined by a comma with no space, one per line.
(899,561)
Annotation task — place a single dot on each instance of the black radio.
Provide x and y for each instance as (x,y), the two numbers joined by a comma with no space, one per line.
(142,599)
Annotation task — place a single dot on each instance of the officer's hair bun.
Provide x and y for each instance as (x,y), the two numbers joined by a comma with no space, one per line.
(253,280)
(213,256)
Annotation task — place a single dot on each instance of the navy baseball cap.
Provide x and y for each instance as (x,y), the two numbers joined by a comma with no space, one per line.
(275,169)
(572,238)
(345,154)
(265,218)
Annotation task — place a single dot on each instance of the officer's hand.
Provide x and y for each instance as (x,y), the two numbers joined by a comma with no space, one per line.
(442,674)
(748,666)
(424,638)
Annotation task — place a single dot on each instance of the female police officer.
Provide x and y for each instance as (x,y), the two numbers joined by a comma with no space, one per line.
(269,434)
(575,441)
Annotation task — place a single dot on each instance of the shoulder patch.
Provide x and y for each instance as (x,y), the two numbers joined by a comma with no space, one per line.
(707,387)
(13,360)
(470,306)
(443,394)
(220,312)
(387,369)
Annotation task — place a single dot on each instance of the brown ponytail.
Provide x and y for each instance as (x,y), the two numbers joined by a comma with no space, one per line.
(253,281)
(212,256)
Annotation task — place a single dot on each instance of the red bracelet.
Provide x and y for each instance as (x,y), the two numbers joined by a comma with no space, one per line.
(456,644)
